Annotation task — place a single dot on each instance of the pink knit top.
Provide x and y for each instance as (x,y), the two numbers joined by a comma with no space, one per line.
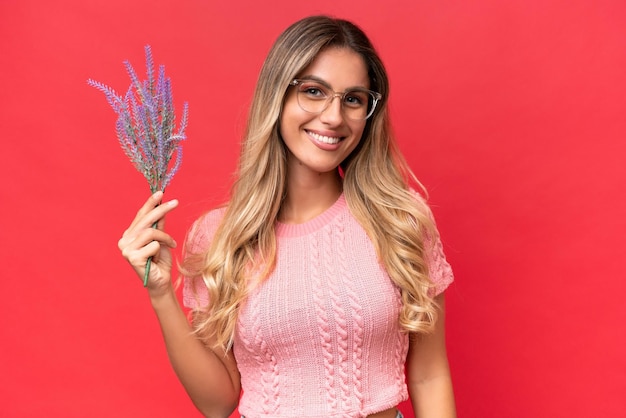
(320,337)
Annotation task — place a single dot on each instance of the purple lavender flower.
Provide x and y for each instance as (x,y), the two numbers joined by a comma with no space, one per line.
(146,124)
(146,127)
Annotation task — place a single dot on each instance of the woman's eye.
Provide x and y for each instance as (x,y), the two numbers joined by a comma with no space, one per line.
(354,100)
(313,91)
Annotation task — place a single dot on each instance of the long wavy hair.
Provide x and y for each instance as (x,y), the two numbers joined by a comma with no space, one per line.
(376,181)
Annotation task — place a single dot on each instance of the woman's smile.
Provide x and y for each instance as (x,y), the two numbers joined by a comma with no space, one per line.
(326,139)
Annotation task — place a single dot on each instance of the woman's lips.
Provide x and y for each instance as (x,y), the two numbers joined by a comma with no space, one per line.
(330,140)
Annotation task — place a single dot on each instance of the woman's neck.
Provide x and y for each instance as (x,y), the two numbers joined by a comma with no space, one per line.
(307,198)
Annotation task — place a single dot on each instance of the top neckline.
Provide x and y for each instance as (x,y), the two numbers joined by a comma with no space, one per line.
(312,225)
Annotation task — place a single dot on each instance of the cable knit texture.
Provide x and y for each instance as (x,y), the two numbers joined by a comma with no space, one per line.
(320,337)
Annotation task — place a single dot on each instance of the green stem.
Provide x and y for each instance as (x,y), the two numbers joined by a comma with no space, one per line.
(148,263)
(146,274)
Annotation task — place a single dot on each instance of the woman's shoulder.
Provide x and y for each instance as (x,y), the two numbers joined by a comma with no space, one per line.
(418,195)
(203,229)
(210,219)
(420,201)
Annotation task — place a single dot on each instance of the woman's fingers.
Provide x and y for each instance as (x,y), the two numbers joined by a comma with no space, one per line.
(141,233)
(137,249)
(152,211)
(138,257)
(161,265)
(148,215)
(141,241)
(144,237)
(152,202)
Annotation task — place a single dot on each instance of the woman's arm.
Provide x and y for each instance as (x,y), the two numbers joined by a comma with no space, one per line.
(210,378)
(428,372)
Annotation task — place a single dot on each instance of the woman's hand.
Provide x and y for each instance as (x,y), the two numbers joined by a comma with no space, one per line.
(140,242)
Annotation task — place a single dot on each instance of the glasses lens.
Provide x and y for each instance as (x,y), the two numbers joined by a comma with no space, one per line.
(356,104)
(312,96)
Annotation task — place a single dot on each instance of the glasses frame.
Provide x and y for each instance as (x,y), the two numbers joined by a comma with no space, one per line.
(374,94)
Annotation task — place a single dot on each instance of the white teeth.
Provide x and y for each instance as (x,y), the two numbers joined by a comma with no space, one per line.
(325,139)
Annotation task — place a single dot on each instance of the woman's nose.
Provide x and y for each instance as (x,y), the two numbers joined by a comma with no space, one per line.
(333,114)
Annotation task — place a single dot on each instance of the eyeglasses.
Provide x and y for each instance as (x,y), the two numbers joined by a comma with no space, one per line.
(315,96)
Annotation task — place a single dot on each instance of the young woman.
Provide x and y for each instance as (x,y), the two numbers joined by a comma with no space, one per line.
(321,281)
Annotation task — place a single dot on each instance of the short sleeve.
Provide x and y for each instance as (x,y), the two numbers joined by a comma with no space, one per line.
(439,270)
(199,237)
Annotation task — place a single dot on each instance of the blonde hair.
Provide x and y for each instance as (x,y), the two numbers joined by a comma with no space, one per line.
(376,187)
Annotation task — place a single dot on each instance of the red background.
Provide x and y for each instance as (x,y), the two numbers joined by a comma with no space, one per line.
(512,113)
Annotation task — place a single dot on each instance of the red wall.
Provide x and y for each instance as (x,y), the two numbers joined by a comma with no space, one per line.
(513,113)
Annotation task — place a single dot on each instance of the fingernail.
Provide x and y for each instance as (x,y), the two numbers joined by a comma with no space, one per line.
(157,195)
(172,202)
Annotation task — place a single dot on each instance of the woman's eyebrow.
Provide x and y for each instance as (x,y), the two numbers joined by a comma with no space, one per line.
(316,79)
(326,84)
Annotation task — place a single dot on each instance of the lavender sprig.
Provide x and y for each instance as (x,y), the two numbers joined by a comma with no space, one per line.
(146,126)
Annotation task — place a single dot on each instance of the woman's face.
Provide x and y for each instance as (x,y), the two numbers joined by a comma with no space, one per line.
(318,143)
